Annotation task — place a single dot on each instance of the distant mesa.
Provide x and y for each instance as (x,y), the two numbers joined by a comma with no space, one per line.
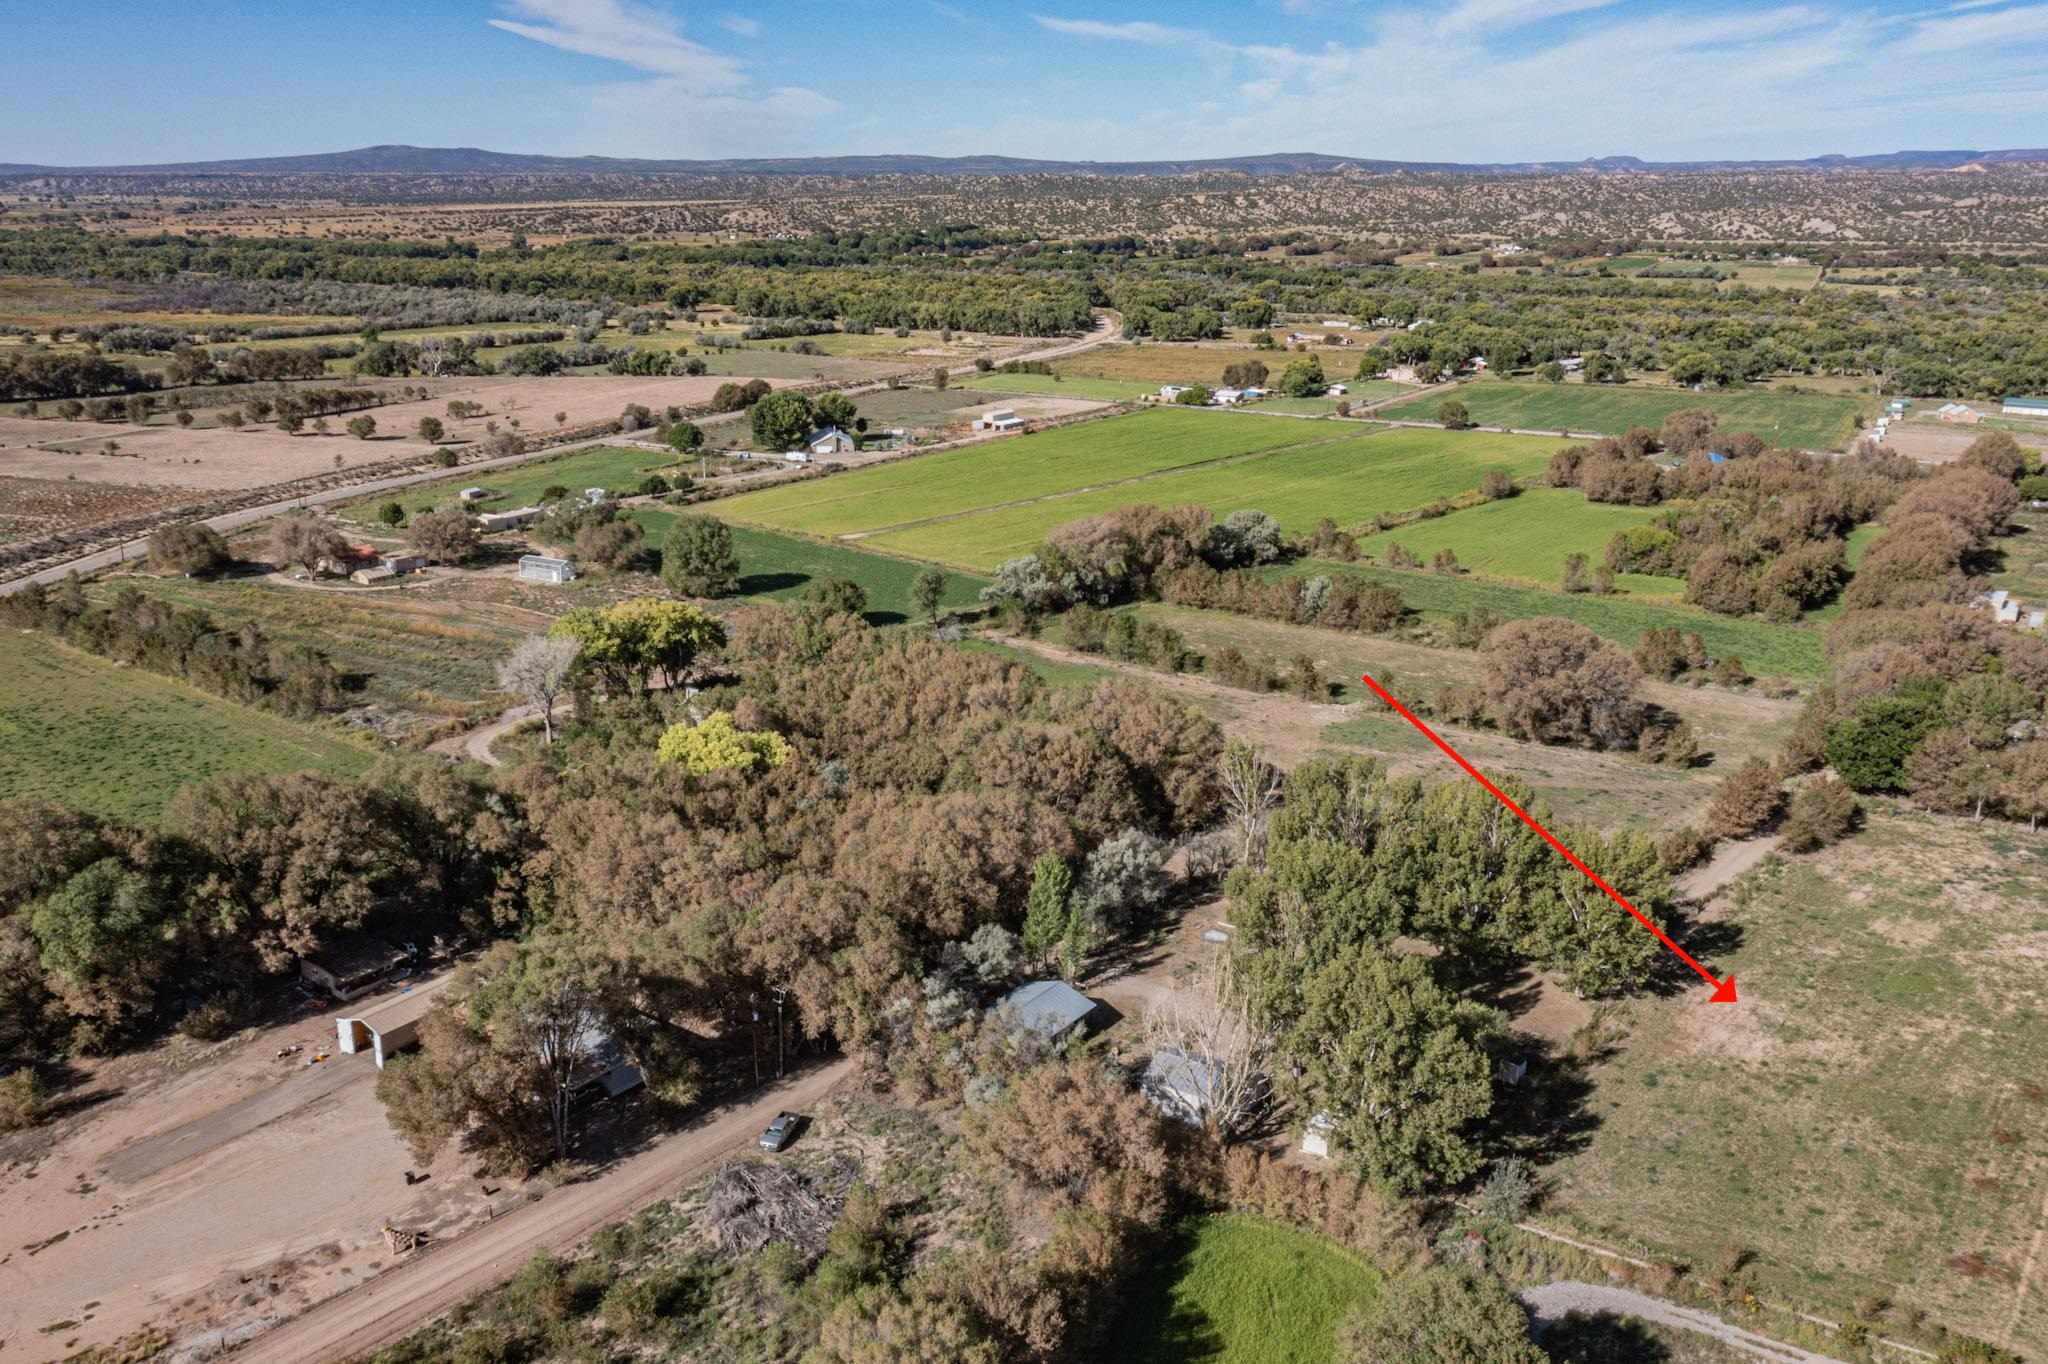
(404,160)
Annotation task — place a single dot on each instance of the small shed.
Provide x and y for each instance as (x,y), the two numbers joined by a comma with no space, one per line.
(353,968)
(405,563)
(999,419)
(390,1026)
(542,568)
(1052,1009)
(474,494)
(608,1073)
(1226,397)
(1315,1138)
(1180,1085)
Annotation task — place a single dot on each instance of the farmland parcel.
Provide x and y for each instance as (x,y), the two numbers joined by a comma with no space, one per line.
(1807,421)
(120,741)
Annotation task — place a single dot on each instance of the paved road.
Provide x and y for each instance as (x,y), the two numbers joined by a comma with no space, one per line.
(386,1309)
(1551,1302)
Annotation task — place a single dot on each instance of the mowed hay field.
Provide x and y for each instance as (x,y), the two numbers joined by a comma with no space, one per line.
(1526,538)
(994,472)
(1347,478)
(1808,421)
(1234,1289)
(1872,1118)
(119,742)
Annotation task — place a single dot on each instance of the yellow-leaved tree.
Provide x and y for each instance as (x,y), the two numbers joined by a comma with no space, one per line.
(717,744)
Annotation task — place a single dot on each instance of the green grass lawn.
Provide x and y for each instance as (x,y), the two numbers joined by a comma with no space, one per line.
(1349,478)
(610,467)
(119,741)
(779,567)
(1809,421)
(1863,1118)
(1526,538)
(1766,649)
(1234,1289)
(991,473)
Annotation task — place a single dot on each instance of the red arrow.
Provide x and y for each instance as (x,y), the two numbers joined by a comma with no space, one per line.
(1724,990)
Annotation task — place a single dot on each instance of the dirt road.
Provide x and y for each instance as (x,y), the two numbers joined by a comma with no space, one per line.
(1551,1302)
(400,1300)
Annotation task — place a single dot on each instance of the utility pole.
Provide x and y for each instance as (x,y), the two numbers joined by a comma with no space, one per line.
(779,997)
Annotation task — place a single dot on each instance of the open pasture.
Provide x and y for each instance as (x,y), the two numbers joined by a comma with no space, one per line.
(995,472)
(1870,1120)
(1767,650)
(1808,421)
(1350,479)
(1526,538)
(119,741)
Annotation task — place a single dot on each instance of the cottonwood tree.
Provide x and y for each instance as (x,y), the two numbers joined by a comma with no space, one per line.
(697,558)
(1213,1025)
(538,669)
(627,642)
(1251,788)
(445,537)
(187,547)
(304,539)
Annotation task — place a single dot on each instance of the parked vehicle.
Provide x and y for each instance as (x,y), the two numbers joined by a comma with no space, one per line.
(781,1132)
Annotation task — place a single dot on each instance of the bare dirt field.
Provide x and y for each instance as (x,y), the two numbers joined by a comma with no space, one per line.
(1931,442)
(211,459)
(218,1185)
(34,507)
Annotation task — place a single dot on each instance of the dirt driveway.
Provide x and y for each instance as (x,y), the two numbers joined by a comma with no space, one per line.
(397,1302)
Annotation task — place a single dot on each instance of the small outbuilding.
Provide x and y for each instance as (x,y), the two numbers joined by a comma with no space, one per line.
(1052,1009)
(1000,419)
(474,494)
(1315,1138)
(390,1026)
(542,568)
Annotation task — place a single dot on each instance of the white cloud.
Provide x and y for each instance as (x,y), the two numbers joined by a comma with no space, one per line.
(635,35)
(1137,31)
(696,100)
(1510,80)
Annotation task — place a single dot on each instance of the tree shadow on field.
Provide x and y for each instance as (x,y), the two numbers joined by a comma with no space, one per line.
(1544,1117)
(1153,1328)
(1602,1338)
(766,584)
(1706,943)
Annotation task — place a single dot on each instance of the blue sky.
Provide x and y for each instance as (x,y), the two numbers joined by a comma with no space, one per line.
(1468,80)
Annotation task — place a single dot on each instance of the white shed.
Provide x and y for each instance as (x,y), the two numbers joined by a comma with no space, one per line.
(540,568)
